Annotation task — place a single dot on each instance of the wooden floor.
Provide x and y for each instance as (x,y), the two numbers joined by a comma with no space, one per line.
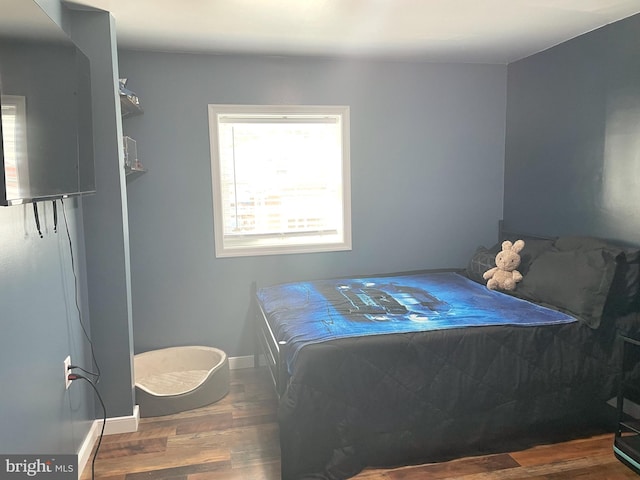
(237,438)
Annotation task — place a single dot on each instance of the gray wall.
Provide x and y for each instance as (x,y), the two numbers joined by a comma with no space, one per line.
(427,149)
(40,327)
(573,137)
(106,223)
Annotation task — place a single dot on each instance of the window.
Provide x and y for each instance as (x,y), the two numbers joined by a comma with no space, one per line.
(281,181)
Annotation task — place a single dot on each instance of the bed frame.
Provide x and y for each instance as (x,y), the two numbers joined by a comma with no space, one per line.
(267,346)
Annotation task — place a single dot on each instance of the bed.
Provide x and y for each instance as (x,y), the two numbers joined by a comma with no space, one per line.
(386,370)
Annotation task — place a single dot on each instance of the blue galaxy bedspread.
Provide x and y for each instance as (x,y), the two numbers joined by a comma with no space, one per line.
(310,312)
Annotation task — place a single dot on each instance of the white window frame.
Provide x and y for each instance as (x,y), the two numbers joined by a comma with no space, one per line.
(284,243)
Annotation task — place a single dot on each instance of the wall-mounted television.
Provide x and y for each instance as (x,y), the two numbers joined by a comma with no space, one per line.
(46,147)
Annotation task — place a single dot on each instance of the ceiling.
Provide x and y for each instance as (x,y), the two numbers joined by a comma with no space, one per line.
(475,31)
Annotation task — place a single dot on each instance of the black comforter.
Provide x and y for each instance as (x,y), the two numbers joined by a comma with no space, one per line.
(428,396)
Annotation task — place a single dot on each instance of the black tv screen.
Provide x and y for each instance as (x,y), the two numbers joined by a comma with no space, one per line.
(45,96)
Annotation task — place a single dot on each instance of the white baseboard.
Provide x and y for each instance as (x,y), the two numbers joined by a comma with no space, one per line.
(122,424)
(113,425)
(236,363)
(84,454)
(246,361)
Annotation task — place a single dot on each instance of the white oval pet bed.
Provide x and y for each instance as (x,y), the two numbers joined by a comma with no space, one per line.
(171,380)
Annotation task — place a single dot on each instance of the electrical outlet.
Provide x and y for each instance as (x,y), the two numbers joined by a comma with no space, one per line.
(67,364)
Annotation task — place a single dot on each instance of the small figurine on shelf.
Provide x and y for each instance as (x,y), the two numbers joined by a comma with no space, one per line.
(137,165)
(129,101)
(128,93)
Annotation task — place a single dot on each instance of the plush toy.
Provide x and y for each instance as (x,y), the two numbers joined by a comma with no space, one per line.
(504,275)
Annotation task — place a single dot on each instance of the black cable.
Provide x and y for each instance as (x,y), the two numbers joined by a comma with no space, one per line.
(55,217)
(37,218)
(74,367)
(75,376)
(73,269)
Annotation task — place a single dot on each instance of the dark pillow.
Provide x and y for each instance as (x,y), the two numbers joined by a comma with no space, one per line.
(576,282)
(624,296)
(481,261)
(533,248)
